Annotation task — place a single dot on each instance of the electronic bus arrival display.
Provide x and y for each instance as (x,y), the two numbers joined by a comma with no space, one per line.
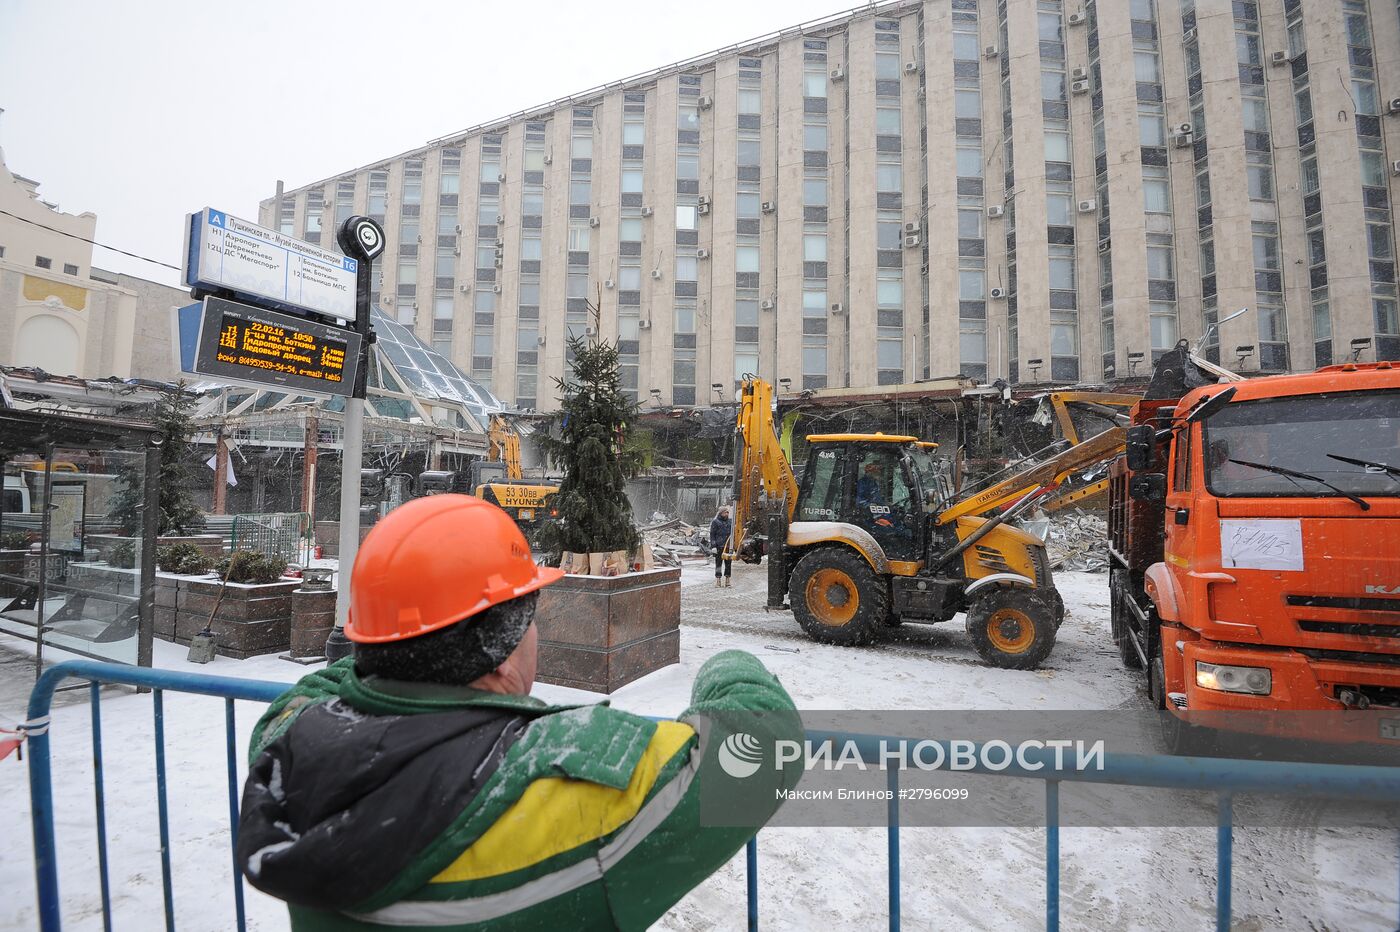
(252,345)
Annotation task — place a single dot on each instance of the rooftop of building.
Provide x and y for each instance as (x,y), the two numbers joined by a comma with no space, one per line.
(816,28)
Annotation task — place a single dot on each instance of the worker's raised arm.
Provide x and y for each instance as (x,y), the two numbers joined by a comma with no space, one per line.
(679,842)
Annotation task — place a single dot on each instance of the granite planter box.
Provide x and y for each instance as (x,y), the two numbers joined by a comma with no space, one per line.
(601,632)
(252,619)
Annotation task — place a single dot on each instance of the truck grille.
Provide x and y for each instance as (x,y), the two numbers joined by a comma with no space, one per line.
(1349,602)
(1350,628)
(1351,656)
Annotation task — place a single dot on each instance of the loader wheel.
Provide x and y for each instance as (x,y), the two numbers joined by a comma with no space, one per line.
(837,598)
(1012,628)
(1118,619)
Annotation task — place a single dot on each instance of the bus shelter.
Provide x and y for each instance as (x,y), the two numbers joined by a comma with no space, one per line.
(78,523)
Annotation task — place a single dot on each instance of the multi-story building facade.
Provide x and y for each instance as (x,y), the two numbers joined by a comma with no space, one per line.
(1023,189)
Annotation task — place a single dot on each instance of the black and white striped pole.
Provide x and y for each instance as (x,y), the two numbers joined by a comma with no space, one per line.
(361,239)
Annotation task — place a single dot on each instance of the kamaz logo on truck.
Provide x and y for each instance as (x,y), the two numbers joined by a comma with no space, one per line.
(1383,590)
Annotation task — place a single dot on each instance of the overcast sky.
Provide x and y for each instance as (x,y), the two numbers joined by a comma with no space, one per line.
(144,111)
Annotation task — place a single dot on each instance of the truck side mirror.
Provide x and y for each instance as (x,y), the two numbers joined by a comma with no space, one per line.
(1139,447)
(1148,487)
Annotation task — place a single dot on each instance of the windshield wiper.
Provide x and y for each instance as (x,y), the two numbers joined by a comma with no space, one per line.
(1294,474)
(1392,471)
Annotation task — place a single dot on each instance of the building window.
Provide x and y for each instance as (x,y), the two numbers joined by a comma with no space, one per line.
(70,269)
(1159,263)
(746,259)
(1145,68)
(1151,130)
(43,262)
(970,223)
(1261,182)
(969,162)
(1156,195)
(1056,147)
(968,104)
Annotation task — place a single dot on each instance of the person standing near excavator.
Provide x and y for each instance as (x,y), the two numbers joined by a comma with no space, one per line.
(721,528)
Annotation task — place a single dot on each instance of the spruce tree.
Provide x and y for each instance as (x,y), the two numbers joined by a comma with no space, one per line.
(178,512)
(587,438)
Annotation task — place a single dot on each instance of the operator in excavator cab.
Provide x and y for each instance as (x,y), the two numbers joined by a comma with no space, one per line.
(882,517)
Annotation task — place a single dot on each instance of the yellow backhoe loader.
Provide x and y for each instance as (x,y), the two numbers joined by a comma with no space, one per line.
(876,535)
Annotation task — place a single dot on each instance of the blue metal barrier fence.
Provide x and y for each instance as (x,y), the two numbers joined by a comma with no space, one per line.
(1227,778)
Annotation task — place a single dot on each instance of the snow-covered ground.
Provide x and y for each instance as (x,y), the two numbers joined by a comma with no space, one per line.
(1300,877)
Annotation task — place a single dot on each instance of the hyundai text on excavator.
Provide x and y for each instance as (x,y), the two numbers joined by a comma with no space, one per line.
(1255,544)
(876,535)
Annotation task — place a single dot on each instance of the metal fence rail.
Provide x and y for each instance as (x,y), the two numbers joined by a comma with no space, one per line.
(283,534)
(1227,778)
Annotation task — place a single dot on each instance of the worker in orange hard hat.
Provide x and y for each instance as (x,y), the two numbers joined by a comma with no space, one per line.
(418,783)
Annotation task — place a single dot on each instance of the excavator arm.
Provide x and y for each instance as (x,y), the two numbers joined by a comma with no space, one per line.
(761,468)
(503,444)
(1050,471)
(1111,406)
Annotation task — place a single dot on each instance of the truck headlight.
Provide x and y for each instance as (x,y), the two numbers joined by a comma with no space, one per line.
(1256,681)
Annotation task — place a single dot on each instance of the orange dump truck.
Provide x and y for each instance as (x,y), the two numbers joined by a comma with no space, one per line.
(1255,544)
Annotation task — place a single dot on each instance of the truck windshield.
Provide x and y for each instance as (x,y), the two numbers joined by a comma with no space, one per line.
(1300,434)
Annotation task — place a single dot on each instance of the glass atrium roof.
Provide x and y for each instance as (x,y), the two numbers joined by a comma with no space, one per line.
(427,374)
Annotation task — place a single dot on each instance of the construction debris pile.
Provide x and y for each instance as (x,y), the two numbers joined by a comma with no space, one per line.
(672,540)
(1077,541)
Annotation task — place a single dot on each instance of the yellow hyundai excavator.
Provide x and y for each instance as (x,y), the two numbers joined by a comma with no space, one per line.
(500,480)
(876,535)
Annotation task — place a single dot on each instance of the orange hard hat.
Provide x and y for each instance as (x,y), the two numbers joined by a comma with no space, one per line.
(434,561)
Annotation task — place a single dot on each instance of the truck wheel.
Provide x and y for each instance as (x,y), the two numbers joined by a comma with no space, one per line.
(1118,590)
(1012,628)
(1178,737)
(837,598)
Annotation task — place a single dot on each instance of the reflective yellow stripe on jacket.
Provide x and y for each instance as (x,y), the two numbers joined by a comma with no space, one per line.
(557,814)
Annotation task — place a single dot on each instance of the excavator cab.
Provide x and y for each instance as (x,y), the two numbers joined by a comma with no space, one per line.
(868,481)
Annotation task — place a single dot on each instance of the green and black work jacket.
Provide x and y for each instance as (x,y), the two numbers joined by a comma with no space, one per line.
(373,803)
